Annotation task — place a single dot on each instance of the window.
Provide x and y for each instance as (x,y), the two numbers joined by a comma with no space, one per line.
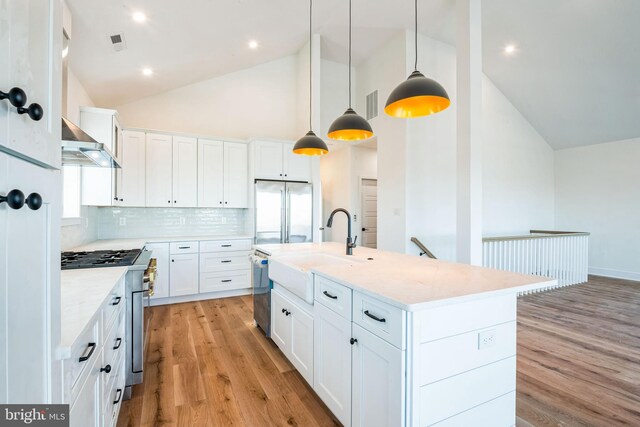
(70,194)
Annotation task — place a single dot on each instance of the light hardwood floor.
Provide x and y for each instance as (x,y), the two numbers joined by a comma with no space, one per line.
(207,365)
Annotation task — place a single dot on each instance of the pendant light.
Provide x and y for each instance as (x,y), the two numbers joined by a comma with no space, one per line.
(418,95)
(310,144)
(350,126)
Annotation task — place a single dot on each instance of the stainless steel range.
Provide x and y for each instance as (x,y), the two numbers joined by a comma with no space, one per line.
(139,283)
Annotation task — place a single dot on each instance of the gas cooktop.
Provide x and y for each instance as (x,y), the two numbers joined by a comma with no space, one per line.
(96,259)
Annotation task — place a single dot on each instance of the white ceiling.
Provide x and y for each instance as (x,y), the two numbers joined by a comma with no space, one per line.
(575,76)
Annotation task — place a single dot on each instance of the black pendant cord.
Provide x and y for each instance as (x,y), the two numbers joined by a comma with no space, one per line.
(310,59)
(415,67)
(349,53)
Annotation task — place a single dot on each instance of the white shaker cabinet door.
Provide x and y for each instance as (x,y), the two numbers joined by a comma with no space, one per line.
(268,160)
(160,251)
(296,167)
(185,172)
(332,361)
(281,322)
(159,154)
(183,275)
(302,343)
(236,175)
(132,176)
(210,173)
(86,409)
(378,381)
(31,58)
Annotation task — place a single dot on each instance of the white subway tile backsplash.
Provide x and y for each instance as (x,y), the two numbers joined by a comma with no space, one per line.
(119,223)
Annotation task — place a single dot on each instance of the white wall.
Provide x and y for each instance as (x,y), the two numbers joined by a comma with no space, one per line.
(518,173)
(259,101)
(335,93)
(597,190)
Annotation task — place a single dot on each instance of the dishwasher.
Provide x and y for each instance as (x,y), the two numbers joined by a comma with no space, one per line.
(261,291)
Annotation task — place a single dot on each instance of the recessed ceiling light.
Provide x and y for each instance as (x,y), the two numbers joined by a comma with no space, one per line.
(253,44)
(95,154)
(139,17)
(147,71)
(510,49)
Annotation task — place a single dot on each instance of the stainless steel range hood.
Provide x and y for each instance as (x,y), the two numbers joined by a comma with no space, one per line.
(78,148)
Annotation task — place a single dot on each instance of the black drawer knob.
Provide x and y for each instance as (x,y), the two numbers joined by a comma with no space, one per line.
(34,111)
(16,97)
(106,369)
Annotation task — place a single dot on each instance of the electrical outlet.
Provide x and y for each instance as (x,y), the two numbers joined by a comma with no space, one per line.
(123,221)
(486,339)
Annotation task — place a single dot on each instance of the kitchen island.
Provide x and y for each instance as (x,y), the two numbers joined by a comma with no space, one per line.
(388,339)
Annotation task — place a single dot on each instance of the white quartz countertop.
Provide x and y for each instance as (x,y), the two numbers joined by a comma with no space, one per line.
(138,243)
(82,293)
(409,282)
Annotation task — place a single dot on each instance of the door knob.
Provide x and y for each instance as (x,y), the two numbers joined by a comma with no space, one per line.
(16,97)
(34,111)
(14,198)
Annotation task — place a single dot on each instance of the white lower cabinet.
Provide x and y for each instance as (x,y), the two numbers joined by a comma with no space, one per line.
(332,361)
(183,274)
(86,409)
(292,331)
(377,381)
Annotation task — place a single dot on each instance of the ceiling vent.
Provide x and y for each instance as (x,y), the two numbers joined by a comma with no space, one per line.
(117,42)
(372,105)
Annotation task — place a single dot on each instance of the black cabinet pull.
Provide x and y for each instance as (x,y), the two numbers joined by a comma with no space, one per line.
(364,229)
(329,295)
(376,318)
(88,352)
(34,201)
(118,396)
(226,246)
(14,198)
(225,261)
(118,343)
(352,341)
(116,301)
(226,280)
(34,111)
(184,247)
(16,97)
(286,312)
(106,369)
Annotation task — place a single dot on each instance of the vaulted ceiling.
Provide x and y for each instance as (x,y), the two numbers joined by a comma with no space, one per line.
(575,75)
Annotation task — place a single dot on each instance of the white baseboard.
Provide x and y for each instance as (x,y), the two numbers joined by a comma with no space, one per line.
(617,274)
(200,297)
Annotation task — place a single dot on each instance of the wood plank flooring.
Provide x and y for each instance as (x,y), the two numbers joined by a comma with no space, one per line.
(207,365)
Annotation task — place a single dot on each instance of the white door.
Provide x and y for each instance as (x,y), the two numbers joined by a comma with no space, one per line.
(236,175)
(31,57)
(185,172)
(131,183)
(332,361)
(29,283)
(210,173)
(268,160)
(302,343)
(281,322)
(378,381)
(183,275)
(160,251)
(296,167)
(369,216)
(158,183)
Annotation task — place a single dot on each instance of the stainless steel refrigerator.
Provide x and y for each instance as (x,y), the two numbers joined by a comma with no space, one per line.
(284,212)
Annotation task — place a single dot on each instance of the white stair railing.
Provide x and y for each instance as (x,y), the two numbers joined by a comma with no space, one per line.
(559,255)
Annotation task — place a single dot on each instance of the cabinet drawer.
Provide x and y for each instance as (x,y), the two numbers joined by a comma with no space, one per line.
(113,307)
(211,262)
(83,355)
(113,351)
(225,281)
(333,296)
(225,245)
(183,248)
(113,398)
(380,318)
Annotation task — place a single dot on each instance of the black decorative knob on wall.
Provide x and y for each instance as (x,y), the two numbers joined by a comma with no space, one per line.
(16,97)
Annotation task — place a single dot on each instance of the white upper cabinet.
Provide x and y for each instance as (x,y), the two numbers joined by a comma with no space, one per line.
(210,173)
(185,172)
(31,58)
(159,183)
(276,160)
(131,178)
(236,175)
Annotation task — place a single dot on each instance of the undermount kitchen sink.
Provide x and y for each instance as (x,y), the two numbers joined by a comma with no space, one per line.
(292,271)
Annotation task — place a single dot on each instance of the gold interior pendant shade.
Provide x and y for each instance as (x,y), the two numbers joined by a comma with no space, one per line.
(418,95)
(310,144)
(350,126)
